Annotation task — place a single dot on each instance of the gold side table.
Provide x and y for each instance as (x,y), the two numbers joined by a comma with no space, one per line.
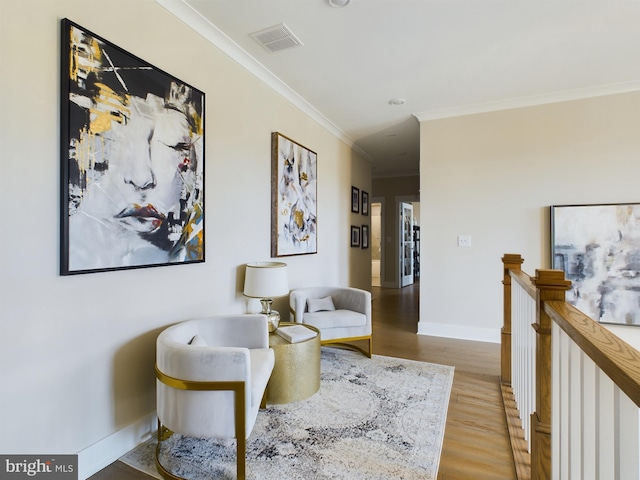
(296,374)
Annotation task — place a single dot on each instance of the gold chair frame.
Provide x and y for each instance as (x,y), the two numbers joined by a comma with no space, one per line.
(341,342)
(238,387)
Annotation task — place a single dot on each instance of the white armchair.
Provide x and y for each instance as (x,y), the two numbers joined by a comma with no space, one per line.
(341,314)
(212,375)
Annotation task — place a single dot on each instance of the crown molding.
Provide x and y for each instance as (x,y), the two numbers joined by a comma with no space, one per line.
(522,102)
(190,17)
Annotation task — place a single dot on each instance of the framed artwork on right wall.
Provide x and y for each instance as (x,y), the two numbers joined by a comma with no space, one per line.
(598,248)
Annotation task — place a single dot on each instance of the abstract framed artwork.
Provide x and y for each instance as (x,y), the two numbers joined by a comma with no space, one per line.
(355,236)
(355,200)
(365,236)
(132,155)
(365,203)
(598,248)
(293,198)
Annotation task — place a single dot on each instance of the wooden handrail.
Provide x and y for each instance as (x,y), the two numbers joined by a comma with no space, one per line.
(614,356)
(524,281)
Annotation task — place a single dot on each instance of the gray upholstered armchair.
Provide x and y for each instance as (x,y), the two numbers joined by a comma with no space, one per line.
(341,314)
(212,375)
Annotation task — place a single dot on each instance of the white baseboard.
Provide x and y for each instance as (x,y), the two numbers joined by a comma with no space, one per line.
(459,331)
(103,453)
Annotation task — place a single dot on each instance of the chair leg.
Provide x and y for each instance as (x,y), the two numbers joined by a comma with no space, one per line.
(241,451)
(241,433)
(163,434)
(241,454)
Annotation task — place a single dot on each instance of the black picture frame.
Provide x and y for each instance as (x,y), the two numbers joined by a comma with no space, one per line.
(355,236)
(598,248)
(365,203)
(355,200)
(132,160)
(294,190)
(365,236)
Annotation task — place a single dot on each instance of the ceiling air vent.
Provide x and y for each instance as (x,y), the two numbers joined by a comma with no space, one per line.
(276,38)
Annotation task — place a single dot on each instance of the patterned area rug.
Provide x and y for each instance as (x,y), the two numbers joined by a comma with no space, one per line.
(381,418)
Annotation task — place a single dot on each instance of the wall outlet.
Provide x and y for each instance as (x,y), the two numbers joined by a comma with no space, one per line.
(464,240)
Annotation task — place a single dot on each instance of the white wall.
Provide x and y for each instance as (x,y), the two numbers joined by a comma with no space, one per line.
(493,176)
(360,258)
(77,353)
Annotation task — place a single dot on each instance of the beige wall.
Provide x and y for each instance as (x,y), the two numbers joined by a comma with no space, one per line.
(77,353)
(493,176)
(392,190)
(360,258)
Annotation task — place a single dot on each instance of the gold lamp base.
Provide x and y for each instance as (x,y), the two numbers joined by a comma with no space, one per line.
(273,317)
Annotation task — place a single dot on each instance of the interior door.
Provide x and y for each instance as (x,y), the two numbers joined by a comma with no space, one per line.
(406,244)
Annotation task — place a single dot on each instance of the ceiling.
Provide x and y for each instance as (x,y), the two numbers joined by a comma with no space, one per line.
(444,57)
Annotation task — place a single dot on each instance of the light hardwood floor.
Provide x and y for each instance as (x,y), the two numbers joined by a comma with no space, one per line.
(476,442)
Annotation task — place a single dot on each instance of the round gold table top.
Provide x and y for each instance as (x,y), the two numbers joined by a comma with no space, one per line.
(296,374)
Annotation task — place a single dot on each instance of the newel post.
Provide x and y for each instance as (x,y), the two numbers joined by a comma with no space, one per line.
(550,285)
(510,261)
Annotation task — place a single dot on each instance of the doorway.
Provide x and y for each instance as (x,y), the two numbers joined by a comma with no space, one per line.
(376,244)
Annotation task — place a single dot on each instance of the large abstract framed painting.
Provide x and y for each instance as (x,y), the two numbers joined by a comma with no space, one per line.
(293,198)
(598,248)
(132,152)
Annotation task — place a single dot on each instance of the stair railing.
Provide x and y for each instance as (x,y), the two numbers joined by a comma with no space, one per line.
(571,388)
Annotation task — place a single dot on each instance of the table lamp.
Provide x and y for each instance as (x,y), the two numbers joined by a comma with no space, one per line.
(265,280)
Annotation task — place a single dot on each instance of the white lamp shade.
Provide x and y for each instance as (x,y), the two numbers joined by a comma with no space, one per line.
(266,279)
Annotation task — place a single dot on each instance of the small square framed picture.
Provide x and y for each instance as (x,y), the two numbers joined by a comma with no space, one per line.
(355,236)
(365,236)
(355,200)
(365,203)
